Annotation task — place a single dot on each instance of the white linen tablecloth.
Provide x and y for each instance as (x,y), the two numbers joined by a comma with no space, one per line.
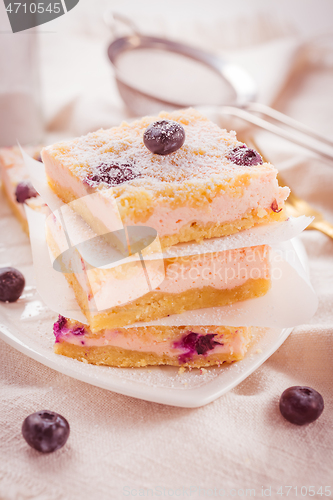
(122,447)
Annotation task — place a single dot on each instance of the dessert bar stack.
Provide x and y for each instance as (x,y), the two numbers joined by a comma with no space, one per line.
(138,190)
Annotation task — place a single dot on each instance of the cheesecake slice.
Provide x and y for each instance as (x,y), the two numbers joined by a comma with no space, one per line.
(16,185)
(211,186)
(188,346)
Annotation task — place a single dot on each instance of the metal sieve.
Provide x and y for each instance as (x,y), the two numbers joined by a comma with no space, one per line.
(236,85)
(238,90)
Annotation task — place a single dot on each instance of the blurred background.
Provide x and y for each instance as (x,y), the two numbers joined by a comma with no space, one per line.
(64,64)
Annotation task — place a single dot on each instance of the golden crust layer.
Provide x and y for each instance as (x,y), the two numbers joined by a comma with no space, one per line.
(196,231)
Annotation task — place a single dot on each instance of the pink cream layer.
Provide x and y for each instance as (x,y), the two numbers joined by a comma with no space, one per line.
(221,270)
(261,193)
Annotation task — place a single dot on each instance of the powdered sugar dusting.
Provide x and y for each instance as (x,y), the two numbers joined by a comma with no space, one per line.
(203,154)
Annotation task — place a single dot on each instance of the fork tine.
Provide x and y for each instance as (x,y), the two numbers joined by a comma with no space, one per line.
(274,129)
(258,107)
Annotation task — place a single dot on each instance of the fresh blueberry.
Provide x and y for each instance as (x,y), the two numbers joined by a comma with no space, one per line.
(45,431)
(301,405)
(164,137)
(11,284)
(39,158)
(113,174)
(24,191)
(244,156)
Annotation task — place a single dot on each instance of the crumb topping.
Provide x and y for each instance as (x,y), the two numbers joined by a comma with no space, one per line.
(203,154)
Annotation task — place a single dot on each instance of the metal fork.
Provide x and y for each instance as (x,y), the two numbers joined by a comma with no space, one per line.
(295,206)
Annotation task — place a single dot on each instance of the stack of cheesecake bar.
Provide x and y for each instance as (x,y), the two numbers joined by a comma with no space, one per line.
(139,189)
